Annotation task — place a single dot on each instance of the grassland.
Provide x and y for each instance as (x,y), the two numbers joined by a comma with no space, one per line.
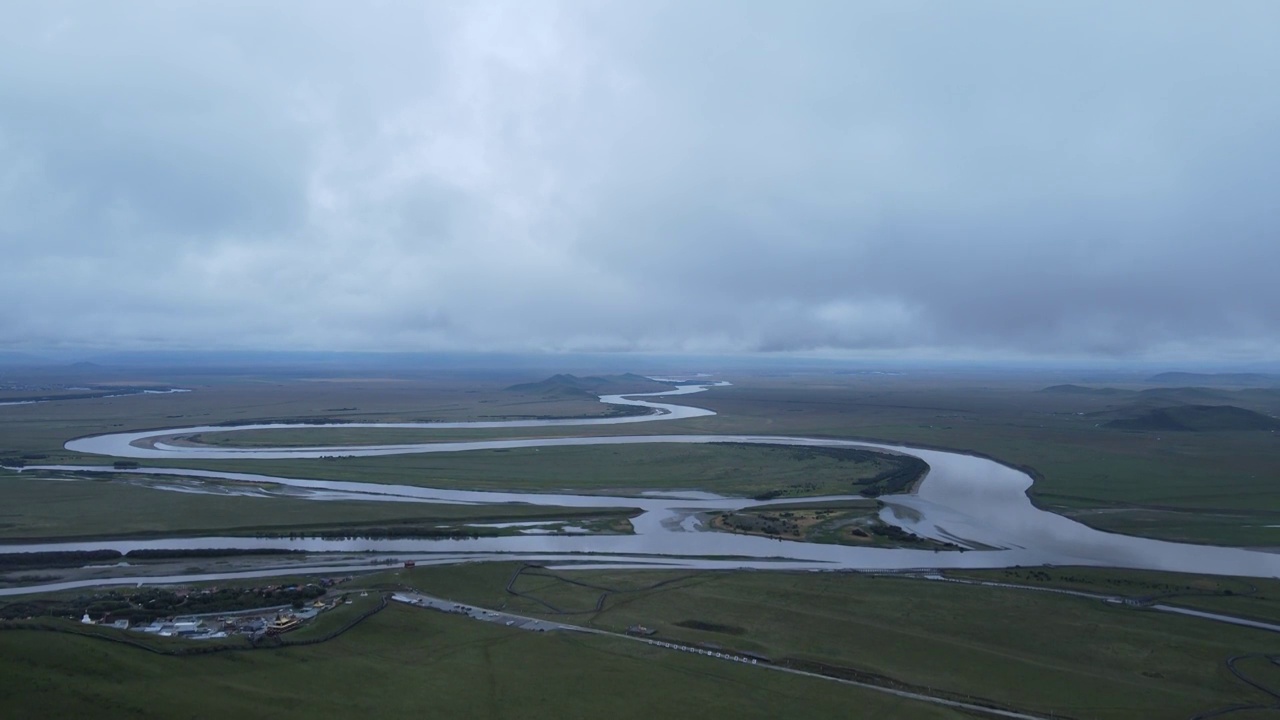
(1208,487)
(1038,652)
(1062,656)
(1213,487)
(1035,651)
(741,470)
(41,429)
(854,522)
(35,508)
(334,620)
(405,662)
(1254,598)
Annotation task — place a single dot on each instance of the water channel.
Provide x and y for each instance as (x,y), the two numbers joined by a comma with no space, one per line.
(975,502)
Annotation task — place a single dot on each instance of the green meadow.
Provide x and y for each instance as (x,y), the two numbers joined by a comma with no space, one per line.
(412,663)
(1038,652)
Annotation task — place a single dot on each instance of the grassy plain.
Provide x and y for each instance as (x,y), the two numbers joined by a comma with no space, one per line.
(612,469)
(852,522)
(1034,651)
(1208,487)
(333,620)
(257,398)
(1215,487)
(406,662)
(36,508)
(1254,598)
(1038,652)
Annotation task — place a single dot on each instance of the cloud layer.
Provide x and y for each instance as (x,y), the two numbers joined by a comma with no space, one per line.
(1002,179)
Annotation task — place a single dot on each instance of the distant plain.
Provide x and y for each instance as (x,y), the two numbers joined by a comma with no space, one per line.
(1020,649)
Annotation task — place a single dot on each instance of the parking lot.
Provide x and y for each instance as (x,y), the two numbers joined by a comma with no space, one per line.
(494,616)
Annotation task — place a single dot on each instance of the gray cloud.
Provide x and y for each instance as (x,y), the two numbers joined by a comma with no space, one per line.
(999,179)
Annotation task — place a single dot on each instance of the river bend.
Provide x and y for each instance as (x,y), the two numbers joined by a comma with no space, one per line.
(973,501)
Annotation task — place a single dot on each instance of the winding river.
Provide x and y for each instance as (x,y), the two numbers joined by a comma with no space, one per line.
(975,502)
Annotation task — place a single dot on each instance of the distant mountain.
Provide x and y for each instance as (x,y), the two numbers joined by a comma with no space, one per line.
(1188,395)
(1082,390)
(1196,418)
(572,386)
(1216,379)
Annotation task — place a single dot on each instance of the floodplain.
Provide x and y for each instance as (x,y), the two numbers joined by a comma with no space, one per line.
(1012,644)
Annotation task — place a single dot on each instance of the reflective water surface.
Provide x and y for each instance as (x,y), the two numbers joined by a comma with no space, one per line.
(973,501)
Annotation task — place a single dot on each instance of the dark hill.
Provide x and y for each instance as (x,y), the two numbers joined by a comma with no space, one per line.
(1082,390)
(1188,395)
(1197,418)
(1216,379)
(569,386)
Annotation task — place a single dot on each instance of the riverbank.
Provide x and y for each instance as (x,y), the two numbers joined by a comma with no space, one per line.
(965,499)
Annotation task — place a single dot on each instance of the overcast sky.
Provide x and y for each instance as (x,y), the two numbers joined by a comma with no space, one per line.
(1055,179)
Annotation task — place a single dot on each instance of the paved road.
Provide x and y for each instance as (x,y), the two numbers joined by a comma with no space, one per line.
(1115,599)
(1012,586)
(1217,617)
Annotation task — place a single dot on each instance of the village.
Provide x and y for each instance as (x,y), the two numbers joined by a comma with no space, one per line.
(208,613)
(254,624)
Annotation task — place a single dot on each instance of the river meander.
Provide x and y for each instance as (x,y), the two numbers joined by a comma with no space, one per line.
(973,501)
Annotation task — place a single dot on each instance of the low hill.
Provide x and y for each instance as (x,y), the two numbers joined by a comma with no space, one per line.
(1188,396)
(565,385)
(1196,418)
(1216,379)
(1082,390)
